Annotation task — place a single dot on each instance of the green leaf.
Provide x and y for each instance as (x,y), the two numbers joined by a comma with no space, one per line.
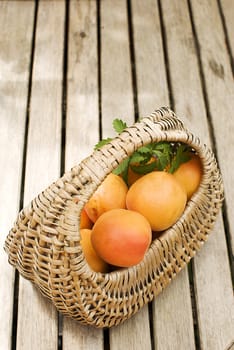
(102,143)
(144,169)
(182,155)
(163,152)
(122,169)
(137,158)
(119,125)
(164,146)
(163,162)
(145,149)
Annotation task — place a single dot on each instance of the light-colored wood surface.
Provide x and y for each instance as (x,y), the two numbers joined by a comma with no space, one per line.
(219,90)
(82,127)
(180,39)
(227,8)
(116,80)
(153,90)
(117,99)
(122,57)
(214,292)
(82,120)
(14,75)
(37,318)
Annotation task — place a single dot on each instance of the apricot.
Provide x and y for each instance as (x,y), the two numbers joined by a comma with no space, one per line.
(159,197)
(85,221)
(133,176)
(121,237)
(189,175)
(94,261)
(111,194)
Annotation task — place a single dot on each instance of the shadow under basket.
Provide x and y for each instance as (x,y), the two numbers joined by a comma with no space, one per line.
(44,244)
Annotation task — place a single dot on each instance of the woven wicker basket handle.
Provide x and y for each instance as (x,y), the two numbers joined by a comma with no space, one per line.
(83,179)
(160,125)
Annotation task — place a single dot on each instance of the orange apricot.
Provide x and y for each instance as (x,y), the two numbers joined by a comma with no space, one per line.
(111,194)
(189,175)
(159,197)
(133,176)
(85,221)
(94,261)
(121,237)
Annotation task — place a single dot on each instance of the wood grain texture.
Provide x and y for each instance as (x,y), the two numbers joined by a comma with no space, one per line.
(133,334)
(190,53)
(37,318)
(183,67)
(220,92)
(117,102)
(152,89)
(76,336)
(82,127)
(82,124)
(215,332)
(14,75)
(172,316)
(116,80)
(227,8)
(214,294)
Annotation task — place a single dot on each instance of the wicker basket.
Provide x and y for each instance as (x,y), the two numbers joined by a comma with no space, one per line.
(44,244)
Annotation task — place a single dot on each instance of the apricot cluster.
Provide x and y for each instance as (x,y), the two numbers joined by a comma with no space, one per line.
(118,222)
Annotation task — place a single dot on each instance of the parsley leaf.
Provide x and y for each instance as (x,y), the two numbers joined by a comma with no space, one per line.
(122,169)
(102,143)
(119,125)
(145,149)
(163,152)
(182,155)
(137,157)
(162,156)
(145,168)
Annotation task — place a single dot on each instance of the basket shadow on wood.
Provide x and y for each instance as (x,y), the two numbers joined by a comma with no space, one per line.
(44,244)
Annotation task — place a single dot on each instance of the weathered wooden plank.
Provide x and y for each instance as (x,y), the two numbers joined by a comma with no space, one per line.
(172,309)
(37,318)
(227,7)
(220,92)
(214,293)
(212,274)
(183,66)
(116,81)
(15,53)
(82,127)
(152,86)
(117,101)
(152,89)
(76,336)
(133,334)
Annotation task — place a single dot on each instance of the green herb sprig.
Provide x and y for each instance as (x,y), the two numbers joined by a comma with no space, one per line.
(162,156)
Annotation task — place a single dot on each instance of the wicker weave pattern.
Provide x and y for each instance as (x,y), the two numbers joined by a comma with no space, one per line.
(44,244)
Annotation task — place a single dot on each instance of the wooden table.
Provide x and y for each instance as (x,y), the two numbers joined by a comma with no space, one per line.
(67,69)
